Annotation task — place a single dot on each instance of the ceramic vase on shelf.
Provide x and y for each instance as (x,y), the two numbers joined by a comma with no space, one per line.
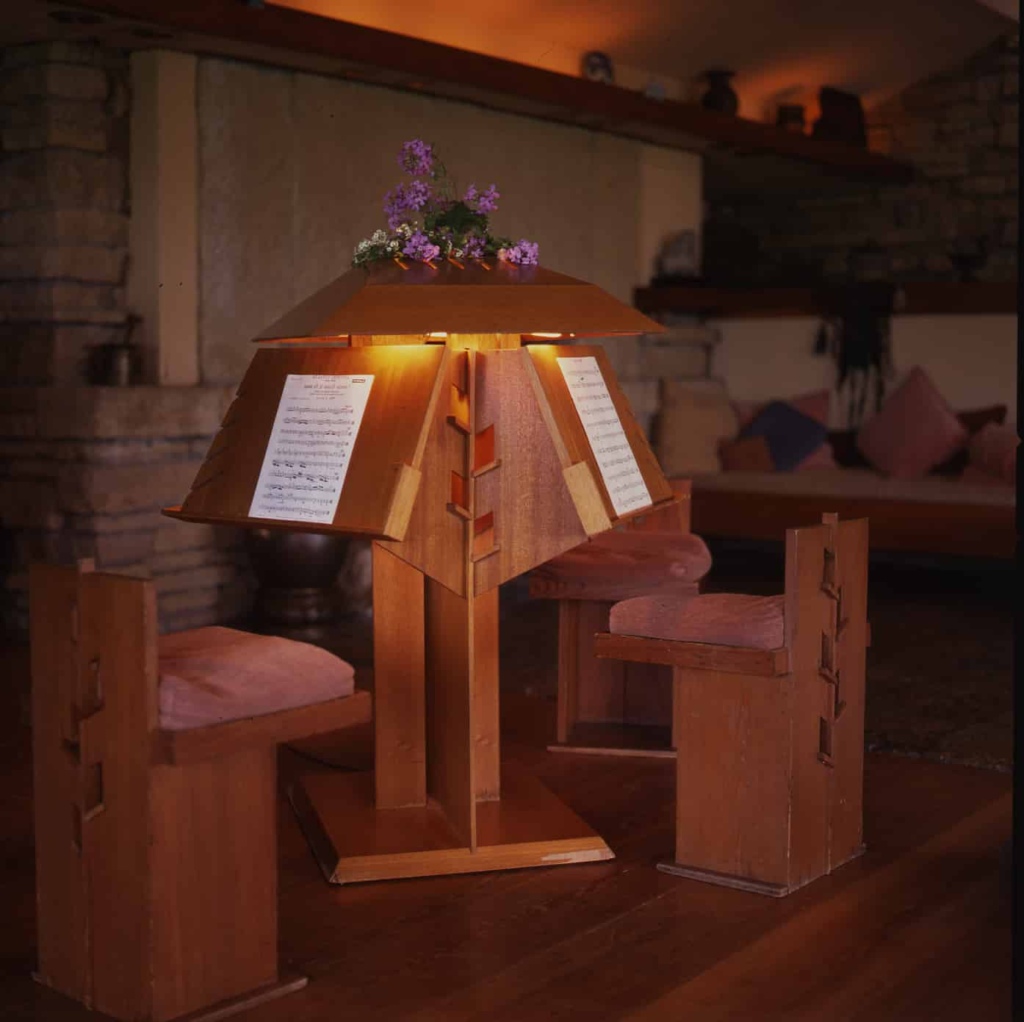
(720,94)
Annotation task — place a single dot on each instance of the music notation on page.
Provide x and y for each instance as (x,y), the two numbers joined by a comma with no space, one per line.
(310,446)
(615,459)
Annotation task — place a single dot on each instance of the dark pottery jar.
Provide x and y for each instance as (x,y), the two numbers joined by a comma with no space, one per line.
(296,573)
(720,95)
(790,116)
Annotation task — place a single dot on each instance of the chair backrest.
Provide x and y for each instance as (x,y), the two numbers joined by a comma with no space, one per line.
(94,678)
(826,631)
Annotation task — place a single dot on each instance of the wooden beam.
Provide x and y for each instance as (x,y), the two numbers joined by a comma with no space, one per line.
(289,38)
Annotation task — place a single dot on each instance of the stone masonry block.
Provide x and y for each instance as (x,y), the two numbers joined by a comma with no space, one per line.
(59,51)
(86,263)
(115,489)
(45,300)
(55,135)
(67,81)
(29,504)
(64,178)
(95,227)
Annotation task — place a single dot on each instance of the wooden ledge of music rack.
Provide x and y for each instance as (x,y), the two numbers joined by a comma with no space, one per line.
(354,841)
(195,744)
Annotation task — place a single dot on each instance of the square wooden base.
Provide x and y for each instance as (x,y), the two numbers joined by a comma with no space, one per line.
(354,841)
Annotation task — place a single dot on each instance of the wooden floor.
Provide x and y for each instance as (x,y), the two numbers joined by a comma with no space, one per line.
(917,929)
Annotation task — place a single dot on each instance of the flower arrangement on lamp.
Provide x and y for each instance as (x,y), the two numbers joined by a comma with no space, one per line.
(427,222)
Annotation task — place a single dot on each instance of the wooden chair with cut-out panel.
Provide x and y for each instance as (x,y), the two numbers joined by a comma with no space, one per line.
(156,796)
(611,706)
(768,712)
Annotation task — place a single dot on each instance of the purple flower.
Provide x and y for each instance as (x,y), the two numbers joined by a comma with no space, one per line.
(524,253)
(417,157)
(419,246)
(405,199)
(474,247)
(485,202)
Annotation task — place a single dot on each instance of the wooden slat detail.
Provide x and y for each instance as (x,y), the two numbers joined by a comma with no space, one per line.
(116,839)
(62,916)
(767,663)
(435,540)
(846,783)
(450,722)
(200,815)
(392,433)
(403,499)
(400,749)
(808,613)
(202,743)
(744,721)
(588,497)
(485,697)
(537,519)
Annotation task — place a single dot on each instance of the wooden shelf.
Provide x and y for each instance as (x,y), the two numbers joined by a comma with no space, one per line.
(289,38)
(922,298)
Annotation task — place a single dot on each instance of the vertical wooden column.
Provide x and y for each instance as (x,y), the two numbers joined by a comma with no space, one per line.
(399,690)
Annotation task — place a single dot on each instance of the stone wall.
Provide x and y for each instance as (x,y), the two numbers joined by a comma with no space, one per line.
(84,472)
(63,208)
(960,130)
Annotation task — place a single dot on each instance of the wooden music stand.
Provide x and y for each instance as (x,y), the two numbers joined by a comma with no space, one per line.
(470,467)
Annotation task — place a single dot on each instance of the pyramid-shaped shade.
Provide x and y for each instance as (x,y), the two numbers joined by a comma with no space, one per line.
(385,298)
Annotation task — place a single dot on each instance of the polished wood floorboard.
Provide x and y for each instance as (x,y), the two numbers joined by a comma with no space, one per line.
(918,928)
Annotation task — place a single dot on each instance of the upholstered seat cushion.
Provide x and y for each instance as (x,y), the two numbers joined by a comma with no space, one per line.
(721,619)
(617,565)
(214,675)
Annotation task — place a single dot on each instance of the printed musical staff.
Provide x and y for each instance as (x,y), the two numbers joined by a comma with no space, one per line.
(310,446)
(614,456)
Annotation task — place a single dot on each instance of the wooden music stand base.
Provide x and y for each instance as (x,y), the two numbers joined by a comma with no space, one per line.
(353,841)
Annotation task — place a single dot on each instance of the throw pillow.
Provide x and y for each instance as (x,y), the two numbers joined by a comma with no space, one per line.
(746,454)
(692,423)
(993,450)
(914,430)
(974,421)
(815,403)
(791,435)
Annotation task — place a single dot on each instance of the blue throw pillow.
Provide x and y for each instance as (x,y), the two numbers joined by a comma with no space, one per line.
(790,434)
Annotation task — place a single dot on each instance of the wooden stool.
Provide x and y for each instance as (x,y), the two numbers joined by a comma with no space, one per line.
(769,712)
(156,839)
(615,707)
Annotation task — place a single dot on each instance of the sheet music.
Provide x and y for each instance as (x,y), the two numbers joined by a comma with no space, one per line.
(310,446)
(608,441)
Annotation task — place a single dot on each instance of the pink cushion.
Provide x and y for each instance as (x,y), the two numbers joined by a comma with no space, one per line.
(914,430)
(616,565)
(721,619)
(993,450)
(815,405)
(214,675)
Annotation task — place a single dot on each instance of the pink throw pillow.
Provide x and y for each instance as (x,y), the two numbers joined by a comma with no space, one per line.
(914,430)
(815,405)
(993,450)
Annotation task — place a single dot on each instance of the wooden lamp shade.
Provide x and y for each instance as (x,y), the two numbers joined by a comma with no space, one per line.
(471,465)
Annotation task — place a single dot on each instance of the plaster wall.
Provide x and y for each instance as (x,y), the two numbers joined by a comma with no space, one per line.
(293,168)
(971,359)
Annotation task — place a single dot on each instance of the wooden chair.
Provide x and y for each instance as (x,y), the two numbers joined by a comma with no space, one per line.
(606,706)
(156,849)
(769,713)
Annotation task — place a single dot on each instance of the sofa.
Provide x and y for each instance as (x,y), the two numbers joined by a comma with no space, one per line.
(931,480)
